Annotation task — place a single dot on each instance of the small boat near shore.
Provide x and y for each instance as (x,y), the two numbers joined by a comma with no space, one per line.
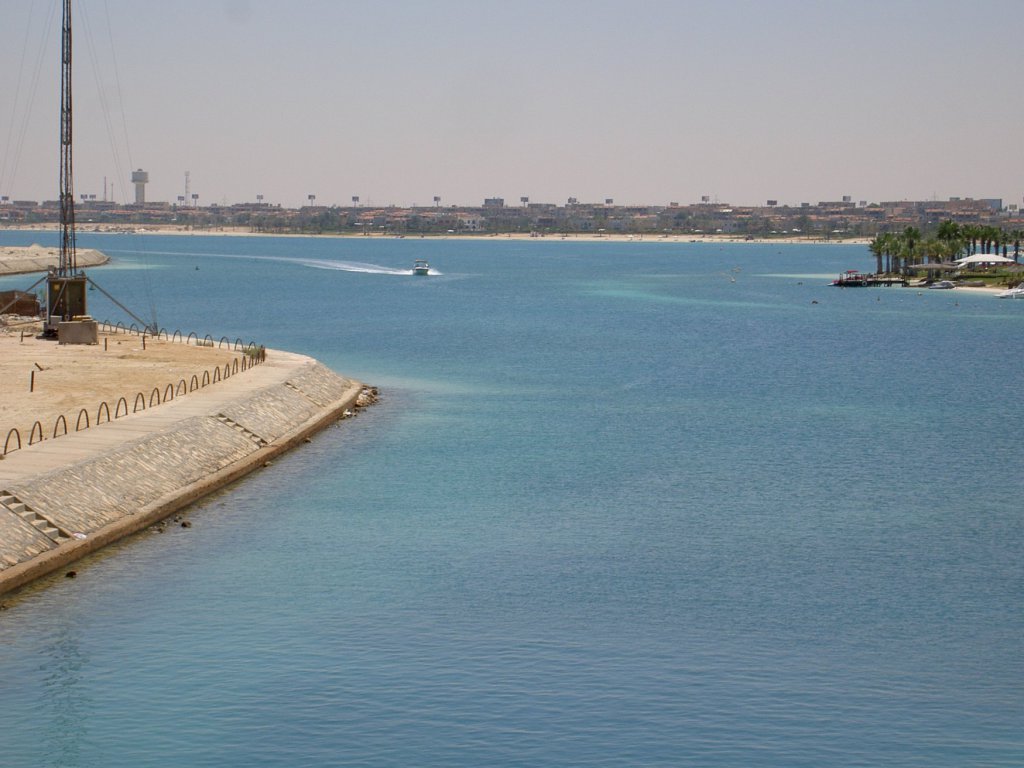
(420,267)
(1012,293)
(942,285)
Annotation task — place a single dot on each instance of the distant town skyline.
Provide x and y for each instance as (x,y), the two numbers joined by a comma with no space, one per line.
(645,103)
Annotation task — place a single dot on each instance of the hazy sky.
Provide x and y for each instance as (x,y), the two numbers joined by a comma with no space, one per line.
(641,101)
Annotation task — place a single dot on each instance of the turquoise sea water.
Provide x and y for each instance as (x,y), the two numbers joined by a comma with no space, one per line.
(626,504)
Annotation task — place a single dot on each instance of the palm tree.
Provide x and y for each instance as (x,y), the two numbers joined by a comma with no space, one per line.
(910,240)
(990,239)
(887,246)
(927,249)
(953,236)
(971,233)
(877,248)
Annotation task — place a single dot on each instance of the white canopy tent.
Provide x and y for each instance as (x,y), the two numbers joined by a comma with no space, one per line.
(983,258)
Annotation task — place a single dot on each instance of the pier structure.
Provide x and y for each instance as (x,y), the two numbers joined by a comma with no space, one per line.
(854,279)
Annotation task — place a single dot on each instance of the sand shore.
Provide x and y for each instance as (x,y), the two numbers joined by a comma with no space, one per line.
(579,237)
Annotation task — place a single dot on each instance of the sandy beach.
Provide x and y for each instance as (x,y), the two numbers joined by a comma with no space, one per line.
(571,237)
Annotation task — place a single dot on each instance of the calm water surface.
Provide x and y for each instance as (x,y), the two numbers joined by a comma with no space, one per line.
(622,504)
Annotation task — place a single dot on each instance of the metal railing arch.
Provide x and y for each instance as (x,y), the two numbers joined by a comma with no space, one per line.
(14,431)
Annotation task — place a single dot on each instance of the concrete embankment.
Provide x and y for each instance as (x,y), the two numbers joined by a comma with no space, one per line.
(64,498)
(36,258)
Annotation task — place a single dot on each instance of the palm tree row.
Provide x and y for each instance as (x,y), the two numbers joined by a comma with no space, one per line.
(895,251)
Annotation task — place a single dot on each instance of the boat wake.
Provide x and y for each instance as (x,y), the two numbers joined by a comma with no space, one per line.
(344,266)
(353,266)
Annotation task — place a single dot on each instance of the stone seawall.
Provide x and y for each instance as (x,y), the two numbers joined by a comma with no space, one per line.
(160,462)
(16,260)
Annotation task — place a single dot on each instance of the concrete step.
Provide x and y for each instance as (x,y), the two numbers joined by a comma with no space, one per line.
(33,518)
(252,436)
(11,502)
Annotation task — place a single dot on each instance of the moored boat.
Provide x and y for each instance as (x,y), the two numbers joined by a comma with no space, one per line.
(851,278)
(1012,293)
(942,285)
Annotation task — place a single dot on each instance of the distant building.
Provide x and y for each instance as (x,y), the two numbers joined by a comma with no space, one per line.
(140,178)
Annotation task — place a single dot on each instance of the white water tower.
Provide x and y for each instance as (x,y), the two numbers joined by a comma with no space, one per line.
(140,178)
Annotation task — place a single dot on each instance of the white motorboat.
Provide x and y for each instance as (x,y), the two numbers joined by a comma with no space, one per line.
(1012,293)
(420,267)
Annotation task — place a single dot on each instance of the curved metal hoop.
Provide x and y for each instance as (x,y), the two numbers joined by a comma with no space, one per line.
(14,431)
